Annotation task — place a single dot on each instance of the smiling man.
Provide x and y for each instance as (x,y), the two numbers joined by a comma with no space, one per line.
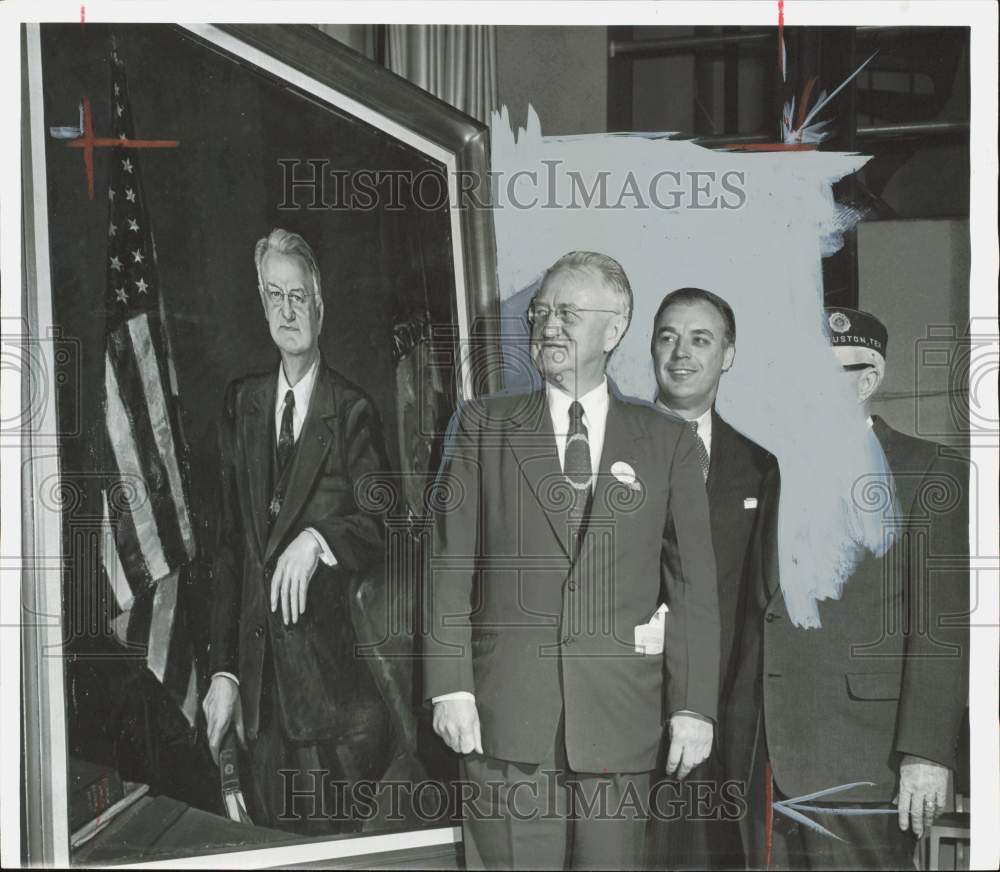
(693,345)
(575,514)
(294,442)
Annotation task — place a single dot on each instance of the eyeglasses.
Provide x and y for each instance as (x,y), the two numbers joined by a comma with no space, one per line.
(568,315)
(296,298)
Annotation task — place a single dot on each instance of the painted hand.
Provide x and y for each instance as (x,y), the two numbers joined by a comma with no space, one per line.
(690,744)
(292,574)
(457,722)
(222,707)
(923,792)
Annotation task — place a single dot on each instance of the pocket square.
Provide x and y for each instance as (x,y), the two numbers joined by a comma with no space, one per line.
(750,503)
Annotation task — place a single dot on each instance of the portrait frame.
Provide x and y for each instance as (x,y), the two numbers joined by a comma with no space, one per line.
(315,66)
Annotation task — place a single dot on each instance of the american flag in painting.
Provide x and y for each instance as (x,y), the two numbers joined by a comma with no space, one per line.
(149,540)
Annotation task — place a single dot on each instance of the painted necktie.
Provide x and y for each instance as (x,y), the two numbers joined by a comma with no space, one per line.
(286,443)
(286,436)
(702,450)
(576,467)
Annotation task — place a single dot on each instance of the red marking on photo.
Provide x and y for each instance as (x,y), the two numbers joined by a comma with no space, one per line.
(88,142)
(781,31)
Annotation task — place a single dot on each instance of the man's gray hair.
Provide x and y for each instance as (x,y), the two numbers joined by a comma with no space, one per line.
(607,267)
(285,242)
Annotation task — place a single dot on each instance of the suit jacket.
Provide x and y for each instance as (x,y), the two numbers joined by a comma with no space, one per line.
(323,690)
(539,631)
(887,673)
(736,475)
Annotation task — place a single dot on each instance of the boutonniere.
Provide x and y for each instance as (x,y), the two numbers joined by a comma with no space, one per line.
(626,475)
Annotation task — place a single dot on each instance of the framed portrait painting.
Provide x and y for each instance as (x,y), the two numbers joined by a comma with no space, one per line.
(155,159)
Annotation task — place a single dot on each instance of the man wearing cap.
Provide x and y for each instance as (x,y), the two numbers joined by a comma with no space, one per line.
(873,699)
(693,344)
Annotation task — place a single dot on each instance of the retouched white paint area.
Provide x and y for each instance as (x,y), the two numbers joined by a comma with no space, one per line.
(785,391)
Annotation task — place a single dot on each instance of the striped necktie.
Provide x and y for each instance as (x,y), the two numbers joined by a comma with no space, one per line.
(702,450)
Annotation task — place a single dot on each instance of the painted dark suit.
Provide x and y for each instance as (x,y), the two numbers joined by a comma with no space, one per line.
(305,679)
(543,636)
(885,675)
(738,473)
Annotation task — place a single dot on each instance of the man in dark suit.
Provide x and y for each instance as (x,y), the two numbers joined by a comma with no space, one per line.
(568,516)
(293,544)
(874,697)
(693,344)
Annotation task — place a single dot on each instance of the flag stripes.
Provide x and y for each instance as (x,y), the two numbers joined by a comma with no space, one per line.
(156,405)
(145,550)
(148,536)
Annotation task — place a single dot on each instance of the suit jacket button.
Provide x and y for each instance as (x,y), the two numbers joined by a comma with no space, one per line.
(567,640)
(572,585)
(259,632)
(771,616)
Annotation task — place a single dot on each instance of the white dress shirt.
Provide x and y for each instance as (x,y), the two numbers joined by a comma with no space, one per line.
(595,418)
(302,393)
(704,424)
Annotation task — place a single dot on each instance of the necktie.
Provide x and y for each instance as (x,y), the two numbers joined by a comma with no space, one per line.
(286,437)
(576,467)
(286,442)
(702,450)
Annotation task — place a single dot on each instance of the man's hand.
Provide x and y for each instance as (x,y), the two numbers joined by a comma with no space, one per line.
(222,707)
(457,722)
(690,744)
(923,792)
(292,574)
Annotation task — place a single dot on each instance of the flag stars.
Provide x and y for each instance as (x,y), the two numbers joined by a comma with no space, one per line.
(119,109)
(112,229)
(130,195)
(137,256)
(121,136)
(116,264)
(133,225)
(127,165)
(112,193)
(141,286)
(117,89)
(121,295)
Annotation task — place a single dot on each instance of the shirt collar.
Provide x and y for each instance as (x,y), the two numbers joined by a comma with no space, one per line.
(302,390)
(704,421)
(594,402)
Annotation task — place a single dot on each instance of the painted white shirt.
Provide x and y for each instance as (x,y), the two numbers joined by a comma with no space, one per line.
(303,393)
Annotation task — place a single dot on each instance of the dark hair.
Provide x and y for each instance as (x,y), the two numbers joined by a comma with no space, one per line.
(697,295)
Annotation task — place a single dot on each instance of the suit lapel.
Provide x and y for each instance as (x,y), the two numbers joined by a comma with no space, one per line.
(618,440)
(720,455)
(533,443)
(257,439)
(314,442)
